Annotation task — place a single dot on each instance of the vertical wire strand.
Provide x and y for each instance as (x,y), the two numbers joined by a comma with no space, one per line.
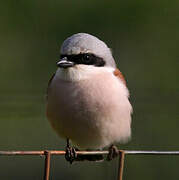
(121,165)
(47,165)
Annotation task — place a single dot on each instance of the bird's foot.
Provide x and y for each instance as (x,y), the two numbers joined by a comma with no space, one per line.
(113,153)
(70,154)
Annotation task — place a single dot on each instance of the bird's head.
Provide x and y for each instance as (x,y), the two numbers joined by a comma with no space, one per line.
(84,51)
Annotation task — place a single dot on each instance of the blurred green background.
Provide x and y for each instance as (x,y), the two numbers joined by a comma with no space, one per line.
(144,37)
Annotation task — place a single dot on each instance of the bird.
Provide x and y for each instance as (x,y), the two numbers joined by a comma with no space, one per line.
(87,97)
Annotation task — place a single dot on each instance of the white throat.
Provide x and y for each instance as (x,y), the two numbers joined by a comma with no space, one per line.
(80,72)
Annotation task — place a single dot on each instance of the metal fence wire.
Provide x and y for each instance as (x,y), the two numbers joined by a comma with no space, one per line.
(48,154)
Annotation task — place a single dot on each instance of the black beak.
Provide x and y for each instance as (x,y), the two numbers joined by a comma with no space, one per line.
(64,63)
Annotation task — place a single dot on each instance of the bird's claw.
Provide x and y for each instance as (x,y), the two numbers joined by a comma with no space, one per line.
(113,153)
(70,154)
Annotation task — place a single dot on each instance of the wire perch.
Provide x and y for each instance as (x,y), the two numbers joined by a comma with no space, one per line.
(49,153)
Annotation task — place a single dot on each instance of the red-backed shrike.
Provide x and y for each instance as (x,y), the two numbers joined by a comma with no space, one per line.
(87,98)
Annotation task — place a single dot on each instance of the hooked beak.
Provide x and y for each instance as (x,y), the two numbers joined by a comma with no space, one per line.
(64,63)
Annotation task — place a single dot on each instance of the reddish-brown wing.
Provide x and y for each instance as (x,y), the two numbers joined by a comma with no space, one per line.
(49,82)
(118,74)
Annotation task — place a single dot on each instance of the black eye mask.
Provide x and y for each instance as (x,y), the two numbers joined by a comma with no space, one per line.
(86,58)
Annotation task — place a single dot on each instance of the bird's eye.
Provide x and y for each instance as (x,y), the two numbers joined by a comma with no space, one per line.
(87,58)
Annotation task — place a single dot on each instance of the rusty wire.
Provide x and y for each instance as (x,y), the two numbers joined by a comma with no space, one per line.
(48,153)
